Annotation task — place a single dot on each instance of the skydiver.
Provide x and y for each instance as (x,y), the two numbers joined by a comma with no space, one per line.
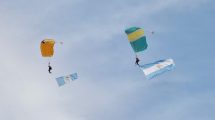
(50,68)
(137,61)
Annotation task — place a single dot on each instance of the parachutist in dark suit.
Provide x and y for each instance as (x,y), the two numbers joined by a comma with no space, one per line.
(50,68)
(137,61)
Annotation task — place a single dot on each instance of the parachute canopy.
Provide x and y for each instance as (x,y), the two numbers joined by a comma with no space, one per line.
(137,39)
(159,67)
(47,47)
(66,79)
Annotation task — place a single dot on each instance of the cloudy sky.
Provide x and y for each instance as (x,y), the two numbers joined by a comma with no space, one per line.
(110,86)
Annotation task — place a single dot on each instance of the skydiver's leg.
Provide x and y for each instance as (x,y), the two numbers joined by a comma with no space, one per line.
(50,68)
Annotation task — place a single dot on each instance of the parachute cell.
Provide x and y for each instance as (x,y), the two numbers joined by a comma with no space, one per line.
(137,39)
(47,47)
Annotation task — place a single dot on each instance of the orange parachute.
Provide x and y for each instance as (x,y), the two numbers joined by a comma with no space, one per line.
(47,47)
(47,50)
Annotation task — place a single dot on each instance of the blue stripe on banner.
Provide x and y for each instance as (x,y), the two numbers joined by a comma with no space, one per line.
(74,76)
(151,64)
(60,81)
(161,71)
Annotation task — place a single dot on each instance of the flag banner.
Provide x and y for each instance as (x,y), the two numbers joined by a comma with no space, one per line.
(159,67)
(66,79)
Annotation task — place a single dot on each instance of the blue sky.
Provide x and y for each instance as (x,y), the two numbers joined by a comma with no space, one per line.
(110,86)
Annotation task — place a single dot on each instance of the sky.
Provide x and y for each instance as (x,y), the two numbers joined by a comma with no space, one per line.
(110,86)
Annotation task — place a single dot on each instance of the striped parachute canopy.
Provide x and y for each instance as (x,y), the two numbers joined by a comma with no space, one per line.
(137,39)
(47,47)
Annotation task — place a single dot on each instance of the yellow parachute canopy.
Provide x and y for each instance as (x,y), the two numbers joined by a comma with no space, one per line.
(47,47)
